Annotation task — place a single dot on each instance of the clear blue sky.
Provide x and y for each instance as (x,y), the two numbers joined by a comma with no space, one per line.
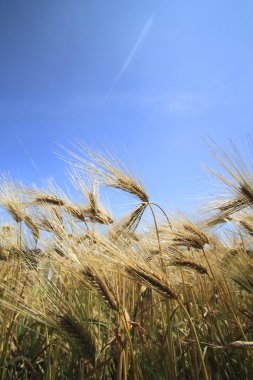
(152,78)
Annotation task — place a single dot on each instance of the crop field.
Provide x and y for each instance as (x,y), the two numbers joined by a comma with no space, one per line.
(152,295)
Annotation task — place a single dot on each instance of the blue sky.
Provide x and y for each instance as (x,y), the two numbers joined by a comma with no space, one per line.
(150,78)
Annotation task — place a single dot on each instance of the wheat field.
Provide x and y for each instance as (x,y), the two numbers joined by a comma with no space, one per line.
(152,295)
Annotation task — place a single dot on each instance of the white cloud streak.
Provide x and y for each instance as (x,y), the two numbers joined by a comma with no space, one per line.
(141,37)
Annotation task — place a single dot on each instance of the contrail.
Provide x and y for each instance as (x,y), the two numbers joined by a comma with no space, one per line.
(137,44)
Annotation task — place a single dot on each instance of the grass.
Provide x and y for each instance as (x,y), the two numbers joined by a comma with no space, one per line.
(84,295)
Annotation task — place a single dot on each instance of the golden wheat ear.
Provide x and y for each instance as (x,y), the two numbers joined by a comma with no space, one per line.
(107,170)
(41,199)
(32,226)
(152,279)
(126,226)
(79,212)
(11,198)
(51,195)
(184,234)
(194,265)
(221,211)
(239,179)
(98,214)
(50,219)
(247,225)
(93,209)
(100,283)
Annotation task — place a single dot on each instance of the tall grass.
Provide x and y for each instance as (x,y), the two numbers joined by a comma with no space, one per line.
(84,295)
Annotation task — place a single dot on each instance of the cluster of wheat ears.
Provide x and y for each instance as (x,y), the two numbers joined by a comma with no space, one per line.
(85,295)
